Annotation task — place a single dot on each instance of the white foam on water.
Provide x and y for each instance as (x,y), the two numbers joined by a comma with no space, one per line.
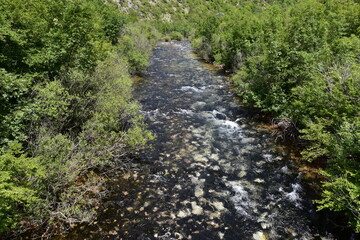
(211,87)
(226,127)
(216,113)
(268,157)
(285,170)
(158,178)
(190,88)
(294,195)
(153,113)
(231,125)
(241,200)
(184,112)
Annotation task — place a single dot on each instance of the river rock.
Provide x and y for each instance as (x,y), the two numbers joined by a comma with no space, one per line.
(265,225)
(247,140)
(258,180)
(183,214)
(218,205)
(216,168)
(196,209)
(200,158)
(259,236)
(242,173)
(199,192)
(215,157)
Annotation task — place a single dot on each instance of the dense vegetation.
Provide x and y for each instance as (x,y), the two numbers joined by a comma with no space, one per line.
(66,112)
(66,109)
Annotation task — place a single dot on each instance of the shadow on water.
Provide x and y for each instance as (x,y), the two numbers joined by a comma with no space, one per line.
(211,174)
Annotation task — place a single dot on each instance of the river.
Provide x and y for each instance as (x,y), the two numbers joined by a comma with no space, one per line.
(211,172)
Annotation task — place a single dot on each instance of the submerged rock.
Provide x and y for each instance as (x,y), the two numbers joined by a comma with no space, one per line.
(199,192)
(259,236)
(196,209)
(183,214)
(218,206)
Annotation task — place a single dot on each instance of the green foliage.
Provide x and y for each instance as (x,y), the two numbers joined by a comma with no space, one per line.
(13,104)
(166,38)
(136,44)
(328,107)
(341,193)
(17,174)
(65,94)
(176,36)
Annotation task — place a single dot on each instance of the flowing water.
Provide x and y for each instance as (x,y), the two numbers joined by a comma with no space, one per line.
(211,173)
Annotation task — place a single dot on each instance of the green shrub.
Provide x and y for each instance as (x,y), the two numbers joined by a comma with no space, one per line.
(65,93)
(166,38)
(136,44)
(176,36)
(18,173)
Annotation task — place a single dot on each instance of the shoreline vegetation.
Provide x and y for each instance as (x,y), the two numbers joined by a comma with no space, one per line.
(67,114)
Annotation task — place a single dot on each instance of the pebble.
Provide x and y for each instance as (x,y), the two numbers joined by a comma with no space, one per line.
(216,168)
(178,236)
(242,173)
(199,158)
(196,209)
(215,157)
(199,192)
(265,225)
(218,205)
(247,140)
(259,236)
(258,180)
(182,214)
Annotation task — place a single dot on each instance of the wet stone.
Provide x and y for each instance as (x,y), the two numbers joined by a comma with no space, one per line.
(259,236)
(183,214)
(216,168)
(219,206)
(265,225)
(241,174)
(258,180)
(199,192)
(196,209)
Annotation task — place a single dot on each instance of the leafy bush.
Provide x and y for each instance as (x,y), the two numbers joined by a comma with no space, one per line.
(166,38)
(65,94)
(17,175)
(136,44)
(176,36)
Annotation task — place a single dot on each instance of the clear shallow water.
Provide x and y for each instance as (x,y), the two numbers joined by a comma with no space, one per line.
(211,174)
